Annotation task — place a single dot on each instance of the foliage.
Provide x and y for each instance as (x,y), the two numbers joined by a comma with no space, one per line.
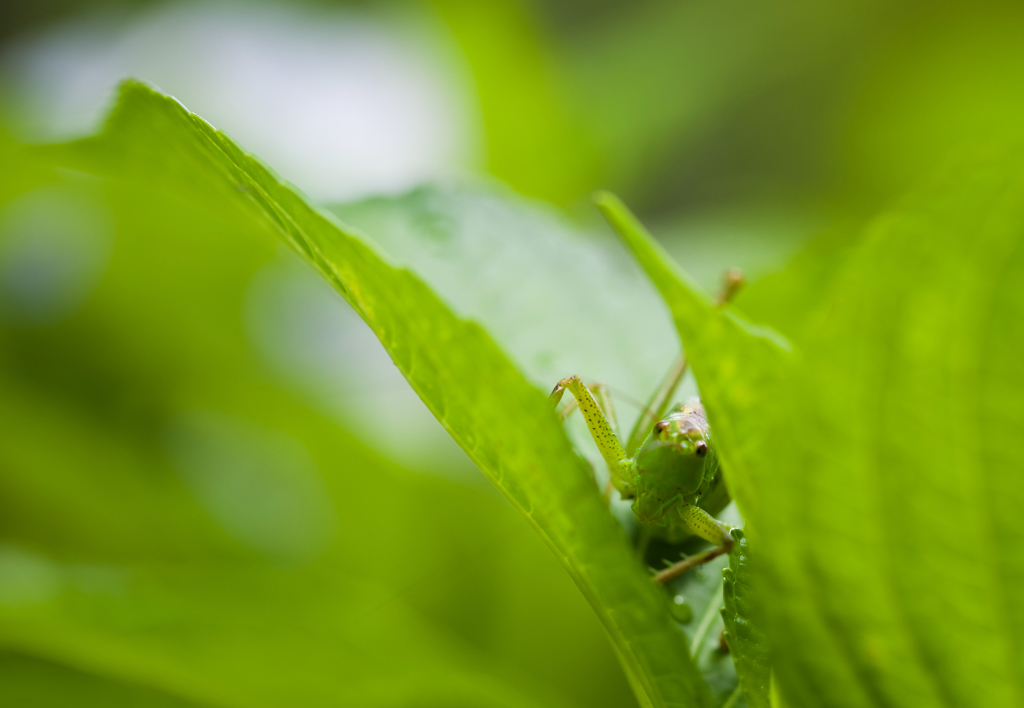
(180,525)
(179,528)
(504,424)
(747,641)
(874,521)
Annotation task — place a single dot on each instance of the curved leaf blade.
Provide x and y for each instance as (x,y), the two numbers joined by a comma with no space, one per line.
(882,479)
(500,420)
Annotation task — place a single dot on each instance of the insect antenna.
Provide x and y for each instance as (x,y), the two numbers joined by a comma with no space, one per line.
(642,407)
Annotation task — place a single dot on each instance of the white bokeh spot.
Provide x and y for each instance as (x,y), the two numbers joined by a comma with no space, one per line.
(343,104)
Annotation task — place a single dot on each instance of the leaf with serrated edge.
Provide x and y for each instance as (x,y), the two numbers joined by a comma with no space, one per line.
(747,642)
(502,422)
(878,466)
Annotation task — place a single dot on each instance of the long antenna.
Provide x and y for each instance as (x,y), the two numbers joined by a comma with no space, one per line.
(635,402)
(732,282)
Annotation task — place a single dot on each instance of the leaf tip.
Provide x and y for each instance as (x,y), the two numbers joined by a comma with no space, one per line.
(131,85)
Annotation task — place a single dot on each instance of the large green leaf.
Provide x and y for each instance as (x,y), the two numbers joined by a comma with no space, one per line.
(502,422)
(156,478)
(879,467)
(535,141)
(199,631)
(28,681)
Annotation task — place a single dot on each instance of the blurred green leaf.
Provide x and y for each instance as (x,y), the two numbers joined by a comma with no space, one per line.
(535,140)
(132,567)
(199,631)
(36,683)
(503,423)
(920,327)
(929,90)
(696,103)
(877,465)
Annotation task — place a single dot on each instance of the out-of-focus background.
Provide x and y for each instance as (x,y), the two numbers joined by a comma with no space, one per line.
(215,488)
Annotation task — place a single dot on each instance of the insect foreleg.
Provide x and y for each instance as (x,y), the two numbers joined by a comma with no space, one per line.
(619,465)
(603,398)
(707,527)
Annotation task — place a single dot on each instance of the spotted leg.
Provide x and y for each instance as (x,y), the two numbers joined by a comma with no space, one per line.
(621,467)
(702,524)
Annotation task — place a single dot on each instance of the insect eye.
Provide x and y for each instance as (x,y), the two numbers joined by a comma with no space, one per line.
(661,427)
(701,448)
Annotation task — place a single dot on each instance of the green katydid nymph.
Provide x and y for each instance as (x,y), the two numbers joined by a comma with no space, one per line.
(668,467)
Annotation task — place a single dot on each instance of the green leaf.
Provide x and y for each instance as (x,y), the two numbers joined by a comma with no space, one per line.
(503,423)
(535,141)
(881,473)
(918,332)
(199,631)
(747,641)
(127,418)
(29,681)
(559,299)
